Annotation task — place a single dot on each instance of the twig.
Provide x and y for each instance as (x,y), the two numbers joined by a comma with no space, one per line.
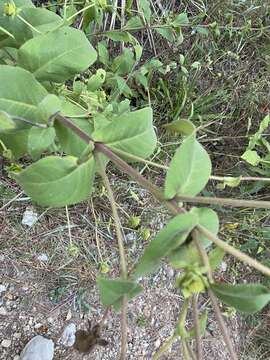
(123,329)
(196,322)
(233,251)
(123,263)
(11,201)
(223,328)
(224,201)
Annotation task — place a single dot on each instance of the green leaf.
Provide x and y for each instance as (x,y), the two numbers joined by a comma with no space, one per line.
(255,139)
(41,19)
(96,80)
(54,181)
(230,182)
(16,140)
(103,53)
(70,54)
(168,239)
(207,218)
(121,36)
(133,23)
(71,143)
(215,257)
(6,122)
(50,105)
(248,298)
(113,290)
(189,169)
(39,140)
(21,93)
(131,132)
(181,126)
(251,157)
(145,8)
(187,255)
(180,19)
(123,63)
(167,33)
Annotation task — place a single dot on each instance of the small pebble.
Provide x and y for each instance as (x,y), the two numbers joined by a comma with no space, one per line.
(223,266)
(2,288)
(3,311)
(68,336)
(6,343)
(43,258)
(17,335)
(37,326)
(30,217)
(157,343)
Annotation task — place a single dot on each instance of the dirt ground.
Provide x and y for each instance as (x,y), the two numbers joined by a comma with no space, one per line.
(44,288)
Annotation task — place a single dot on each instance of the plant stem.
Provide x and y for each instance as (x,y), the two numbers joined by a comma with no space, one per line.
(224,201)
(233,251)
(196,322)
(70,125)
(172,205)
(169,26)
(123,351)
(222,326)
(123,264)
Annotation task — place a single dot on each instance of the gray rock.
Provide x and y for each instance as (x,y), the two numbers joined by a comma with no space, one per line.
(38,348)
(68,336)
(6,343)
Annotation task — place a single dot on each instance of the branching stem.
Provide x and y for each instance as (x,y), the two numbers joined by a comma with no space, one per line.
(121,248)
(172,204)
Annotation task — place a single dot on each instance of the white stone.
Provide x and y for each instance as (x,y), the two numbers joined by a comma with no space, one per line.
(69,315)
(37,326)
(68,336)
(223,266)
(17,335)
(30,217)
(6,343)
(38,348)
(157,343)
(3,311)
(2,288)
(43,257)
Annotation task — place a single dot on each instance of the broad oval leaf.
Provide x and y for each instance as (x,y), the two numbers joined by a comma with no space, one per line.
(189,169)
(42,20)
(187,255)
(207,218)
(248,298)
(113,290)
(131,132)
(70,53)
(169,238)
(16,140)
(21,92)
(181,126)
(39,140)
(54,181)
(70,142)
